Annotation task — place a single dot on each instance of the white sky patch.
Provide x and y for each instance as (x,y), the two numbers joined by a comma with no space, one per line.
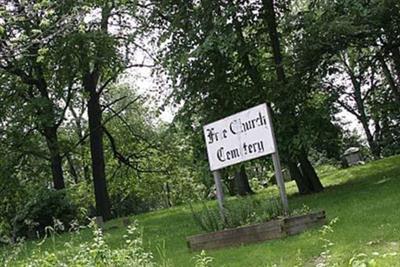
(142,79)
(341,81)
(350,122)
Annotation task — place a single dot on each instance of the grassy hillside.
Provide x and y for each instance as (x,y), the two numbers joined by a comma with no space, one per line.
(364,199)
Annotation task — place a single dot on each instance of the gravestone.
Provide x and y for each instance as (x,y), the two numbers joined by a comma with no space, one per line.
(352,156)
(99,222)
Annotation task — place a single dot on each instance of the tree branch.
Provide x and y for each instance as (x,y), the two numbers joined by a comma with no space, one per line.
(103,124)
(67,103)
(348,108)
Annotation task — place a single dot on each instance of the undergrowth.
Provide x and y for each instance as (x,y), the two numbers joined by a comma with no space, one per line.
(95,252)
(242,211)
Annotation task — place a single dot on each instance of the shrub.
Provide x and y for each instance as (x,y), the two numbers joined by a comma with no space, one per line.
(47,206)
(243,211)
(202,260)
(96,252)
(129,204)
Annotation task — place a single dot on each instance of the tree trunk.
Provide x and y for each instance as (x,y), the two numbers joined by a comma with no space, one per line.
(50,133)
(83,167)
(374,147)
(167,191)
(45,114)
(241,181)
(49,130)
(396,59)
(103,205)
(309,176)
(270,19)
(72,169)
(302,184)
(363,118)
(390,79)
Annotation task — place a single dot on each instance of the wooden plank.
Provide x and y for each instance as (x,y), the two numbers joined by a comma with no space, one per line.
(305,217)
(302,220)
(256,233)
(243,229)
(297,224)
(237,236)
(296,229)
(244,234)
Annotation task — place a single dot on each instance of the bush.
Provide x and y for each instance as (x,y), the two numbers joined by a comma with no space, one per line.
(43,210)
(95,252)
(243,211)
(129,204)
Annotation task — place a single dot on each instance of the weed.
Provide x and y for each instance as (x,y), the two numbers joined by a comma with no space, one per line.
(94,253)
(202,260)
(325,255)
(243,211)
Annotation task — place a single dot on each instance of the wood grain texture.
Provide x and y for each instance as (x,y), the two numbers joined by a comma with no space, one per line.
(274,229)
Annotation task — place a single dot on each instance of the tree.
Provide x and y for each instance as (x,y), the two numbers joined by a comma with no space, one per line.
(78,126)
(354,66)
(101,54)
(30,35)
(207,63)
(216,54)
(306,180)
(361,46)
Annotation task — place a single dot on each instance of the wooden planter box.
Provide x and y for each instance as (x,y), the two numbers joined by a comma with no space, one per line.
(274,229)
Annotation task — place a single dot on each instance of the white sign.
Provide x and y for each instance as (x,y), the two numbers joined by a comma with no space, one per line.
(243,136)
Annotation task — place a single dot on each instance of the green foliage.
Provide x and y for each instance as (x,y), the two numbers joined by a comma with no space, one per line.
(365,198)
(96,252)
(130,204)
(325,255)
(361,260)
(240,212)
(326,168)
(47,206)
(351,50)
(159,170)
(202,260)
(218,61)
(22,176)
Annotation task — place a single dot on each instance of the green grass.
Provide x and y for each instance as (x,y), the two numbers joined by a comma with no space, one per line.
(365,199)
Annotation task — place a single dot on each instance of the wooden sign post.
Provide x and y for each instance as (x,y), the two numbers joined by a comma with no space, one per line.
(243,136)
(219,193)
(278,169)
